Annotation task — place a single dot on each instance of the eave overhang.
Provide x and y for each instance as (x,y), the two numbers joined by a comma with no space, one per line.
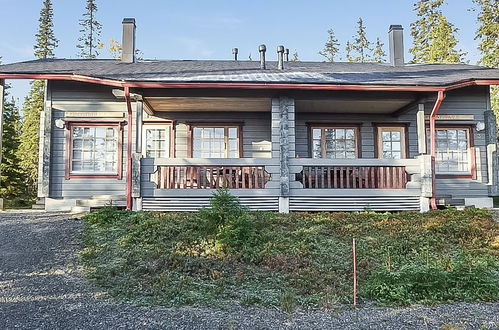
(256,85)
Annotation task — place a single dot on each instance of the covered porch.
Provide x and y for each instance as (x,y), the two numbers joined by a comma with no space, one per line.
(280,164)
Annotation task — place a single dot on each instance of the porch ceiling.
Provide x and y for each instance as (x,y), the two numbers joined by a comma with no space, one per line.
(243,104)
(352,106)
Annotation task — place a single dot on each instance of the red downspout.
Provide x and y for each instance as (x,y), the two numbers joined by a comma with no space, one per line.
(433,147)
(129,150)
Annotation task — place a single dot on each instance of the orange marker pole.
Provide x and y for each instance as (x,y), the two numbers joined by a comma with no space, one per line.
(354,272)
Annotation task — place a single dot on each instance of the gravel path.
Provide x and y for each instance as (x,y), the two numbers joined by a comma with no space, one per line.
(41,288)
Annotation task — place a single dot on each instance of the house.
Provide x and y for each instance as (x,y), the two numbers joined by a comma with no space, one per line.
(283,136)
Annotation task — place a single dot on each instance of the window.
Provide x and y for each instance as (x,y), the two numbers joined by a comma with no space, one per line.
(156,141)
(334,142)
(391,142)
(453,151)
(94,150)
(216,142)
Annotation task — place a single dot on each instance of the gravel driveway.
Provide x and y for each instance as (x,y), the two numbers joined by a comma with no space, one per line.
(42,288)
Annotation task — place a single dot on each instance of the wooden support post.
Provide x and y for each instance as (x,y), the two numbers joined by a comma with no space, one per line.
(45,138)
(421,129)
(283,144)
(491,141)
(2,96)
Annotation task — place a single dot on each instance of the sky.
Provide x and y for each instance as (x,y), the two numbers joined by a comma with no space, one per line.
(191,29)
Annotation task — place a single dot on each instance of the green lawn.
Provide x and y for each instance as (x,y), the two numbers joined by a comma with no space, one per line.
(288,260)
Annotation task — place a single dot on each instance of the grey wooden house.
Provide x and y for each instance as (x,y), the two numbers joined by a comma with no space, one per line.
(283,136)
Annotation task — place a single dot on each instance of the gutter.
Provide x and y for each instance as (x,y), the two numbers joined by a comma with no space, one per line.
(129,150)
(433,147)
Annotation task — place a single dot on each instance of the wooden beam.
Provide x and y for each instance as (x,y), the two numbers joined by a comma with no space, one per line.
(45,143)
(408,107)
(2,96)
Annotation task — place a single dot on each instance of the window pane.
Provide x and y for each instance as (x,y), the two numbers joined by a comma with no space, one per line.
(452,151)
(92,146)
(339,143)
(216,142)
(157,142)
(391,142)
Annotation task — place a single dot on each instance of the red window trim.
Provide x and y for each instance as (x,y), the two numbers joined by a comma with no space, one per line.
(356,126)
(471,133)
(69,149)
(190,139)
(377,126)
(172,124)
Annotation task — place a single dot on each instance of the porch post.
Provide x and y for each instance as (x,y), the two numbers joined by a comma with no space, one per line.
(421,128)
(45,144)
(137,157)
(491,141)
(2,96)
(283,144)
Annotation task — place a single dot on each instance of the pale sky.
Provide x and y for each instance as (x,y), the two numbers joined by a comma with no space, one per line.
(210,29)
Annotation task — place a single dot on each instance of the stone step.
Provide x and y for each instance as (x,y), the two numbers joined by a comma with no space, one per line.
(80,209)
(99,202)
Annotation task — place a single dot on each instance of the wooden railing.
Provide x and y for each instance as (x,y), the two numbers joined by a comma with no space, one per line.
(353,177)
(211,177)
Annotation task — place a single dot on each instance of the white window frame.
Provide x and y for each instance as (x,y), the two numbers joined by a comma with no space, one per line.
(168,142)
(403,146)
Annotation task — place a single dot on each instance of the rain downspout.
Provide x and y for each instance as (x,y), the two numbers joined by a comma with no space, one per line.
(433,147)
(129,150)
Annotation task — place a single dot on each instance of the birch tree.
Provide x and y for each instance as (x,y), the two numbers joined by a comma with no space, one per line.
(361,46)
(331,47)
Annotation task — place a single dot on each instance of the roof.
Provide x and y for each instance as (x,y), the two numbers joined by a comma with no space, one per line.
(249,72)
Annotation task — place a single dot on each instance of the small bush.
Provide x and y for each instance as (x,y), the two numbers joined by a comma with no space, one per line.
(465,279)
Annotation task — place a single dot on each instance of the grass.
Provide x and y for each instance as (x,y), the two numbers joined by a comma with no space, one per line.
(291,260)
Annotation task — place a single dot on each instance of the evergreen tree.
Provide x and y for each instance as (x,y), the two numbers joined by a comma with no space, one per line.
(360,47)
(29,140)
(379,54)
(46,41)
(295,57)
(12,182)
(331,47)
(434,37)
(33,104)
(488,34)
(90,30)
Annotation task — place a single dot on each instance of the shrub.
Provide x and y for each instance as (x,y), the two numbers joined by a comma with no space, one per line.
(228,222)
(465,278)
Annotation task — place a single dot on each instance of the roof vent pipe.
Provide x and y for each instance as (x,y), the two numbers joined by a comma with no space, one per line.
(262,50)
(286,54)
(128,44)
(396,41)
(280,57)
(234,52)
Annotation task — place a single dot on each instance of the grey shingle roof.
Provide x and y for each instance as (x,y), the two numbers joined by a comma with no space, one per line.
(250,72)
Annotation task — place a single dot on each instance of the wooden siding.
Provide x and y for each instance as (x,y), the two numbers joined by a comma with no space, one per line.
(255,129)
(82,97)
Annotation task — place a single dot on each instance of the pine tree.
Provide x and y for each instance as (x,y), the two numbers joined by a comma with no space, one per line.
(28,149)
(331,47)
(488,34)
(379,54)
(434,37)
(12,182)
(90,30)
(33,104)
(46,41)
(295,57)
(361,47)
